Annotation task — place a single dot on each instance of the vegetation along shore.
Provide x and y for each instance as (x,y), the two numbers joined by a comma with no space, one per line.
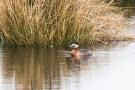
(58,22)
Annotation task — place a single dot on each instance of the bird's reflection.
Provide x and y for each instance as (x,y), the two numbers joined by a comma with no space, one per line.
(76,60)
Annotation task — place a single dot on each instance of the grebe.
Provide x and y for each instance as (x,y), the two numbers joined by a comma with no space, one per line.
(79,52)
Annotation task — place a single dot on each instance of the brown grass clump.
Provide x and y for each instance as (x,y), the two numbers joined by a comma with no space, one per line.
(107,22)
(58,22)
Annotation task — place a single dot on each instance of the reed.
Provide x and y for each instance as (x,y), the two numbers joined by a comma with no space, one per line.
(58,22)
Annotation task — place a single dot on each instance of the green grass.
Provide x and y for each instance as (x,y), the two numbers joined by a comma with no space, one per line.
(58,22)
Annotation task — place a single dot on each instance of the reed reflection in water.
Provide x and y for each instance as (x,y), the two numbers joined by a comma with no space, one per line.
(32,69)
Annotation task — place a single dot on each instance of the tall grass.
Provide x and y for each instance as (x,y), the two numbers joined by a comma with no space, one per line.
(58,22)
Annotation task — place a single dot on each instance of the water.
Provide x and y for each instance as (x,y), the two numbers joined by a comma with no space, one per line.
(112,67)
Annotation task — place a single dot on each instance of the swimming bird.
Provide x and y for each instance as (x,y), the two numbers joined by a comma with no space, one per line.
(79,52)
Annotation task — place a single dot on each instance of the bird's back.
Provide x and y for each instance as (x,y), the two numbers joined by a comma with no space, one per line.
(86,52)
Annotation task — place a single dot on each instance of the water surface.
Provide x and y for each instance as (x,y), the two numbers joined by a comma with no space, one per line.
(112,67)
